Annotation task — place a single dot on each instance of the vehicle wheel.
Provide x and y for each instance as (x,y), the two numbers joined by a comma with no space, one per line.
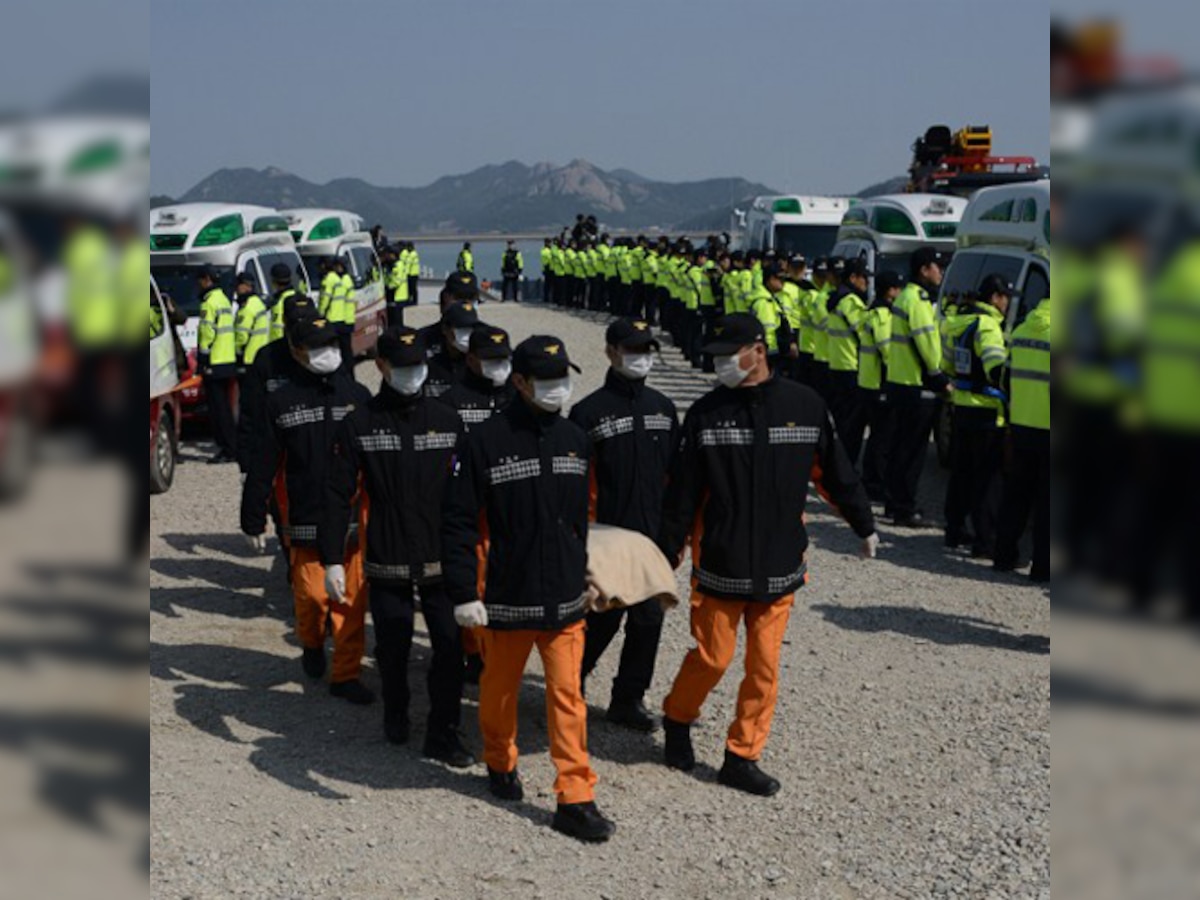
(16,457)
(943,431)
(162,460)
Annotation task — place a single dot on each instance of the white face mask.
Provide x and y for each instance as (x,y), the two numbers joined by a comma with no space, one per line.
(325,360)
(496,370)
(407,380)
(462,339)
(636,365)
(729,371)
(552,394)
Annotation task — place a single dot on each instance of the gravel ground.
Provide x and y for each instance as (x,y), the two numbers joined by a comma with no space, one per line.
(912,734)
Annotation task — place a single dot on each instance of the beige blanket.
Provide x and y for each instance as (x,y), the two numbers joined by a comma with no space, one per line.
(626,568)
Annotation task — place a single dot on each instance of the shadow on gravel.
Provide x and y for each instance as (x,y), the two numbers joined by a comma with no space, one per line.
(1068,689)
(940,628)
(225,587)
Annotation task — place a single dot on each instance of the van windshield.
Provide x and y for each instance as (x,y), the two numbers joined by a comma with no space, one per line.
(810,241)
(968,269)
(179,283)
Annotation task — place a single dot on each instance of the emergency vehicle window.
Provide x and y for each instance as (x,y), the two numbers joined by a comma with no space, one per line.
(364,261)
(157,317)
(1037,289)
(267,260)
(962,276)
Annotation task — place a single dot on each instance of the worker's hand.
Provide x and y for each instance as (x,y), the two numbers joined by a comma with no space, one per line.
(242,478)
(335,584)
(471,615)
(257,542)
(870,546)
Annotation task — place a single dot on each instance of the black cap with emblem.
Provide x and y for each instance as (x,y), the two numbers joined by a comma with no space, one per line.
(733,332)
(630,334)
(490,342)
(401,346)
(542,356)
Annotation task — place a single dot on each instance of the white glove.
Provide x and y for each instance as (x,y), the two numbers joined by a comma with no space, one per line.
(335,583)
(257,542)
(870,546)
(242,478)
(471,615)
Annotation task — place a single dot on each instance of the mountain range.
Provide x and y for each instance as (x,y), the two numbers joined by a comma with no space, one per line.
(511,196)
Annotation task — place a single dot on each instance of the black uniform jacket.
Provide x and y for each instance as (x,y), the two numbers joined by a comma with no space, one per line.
(476,399)
(403,447)
(303,418)
(445,367)
(739,483)
(634,430)
(523,475)
(272,368)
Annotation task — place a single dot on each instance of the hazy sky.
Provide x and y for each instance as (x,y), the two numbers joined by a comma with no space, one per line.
(803,95)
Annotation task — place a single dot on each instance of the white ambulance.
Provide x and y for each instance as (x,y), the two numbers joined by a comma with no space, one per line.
(790,224)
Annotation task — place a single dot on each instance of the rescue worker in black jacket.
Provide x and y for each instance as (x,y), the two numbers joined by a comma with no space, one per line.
(448,339)
(485,387)
(737,490)
(402,445)
(633,429)
(524,474)
(303,417)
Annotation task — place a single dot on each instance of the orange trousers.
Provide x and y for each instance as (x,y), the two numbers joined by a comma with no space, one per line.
(715,626)
(504,657)
(313,605)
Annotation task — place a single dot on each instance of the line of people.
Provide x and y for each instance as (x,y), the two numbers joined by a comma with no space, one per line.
(461,489)
(886,367)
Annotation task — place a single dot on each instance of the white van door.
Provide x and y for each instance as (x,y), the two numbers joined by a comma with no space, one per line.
(164,374)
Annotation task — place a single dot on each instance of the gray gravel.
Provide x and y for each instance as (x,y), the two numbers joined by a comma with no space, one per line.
(912,735)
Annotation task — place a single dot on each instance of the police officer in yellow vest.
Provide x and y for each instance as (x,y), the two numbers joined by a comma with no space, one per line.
(846,309)
(216,358)
(466,259)
(281,289)
(977,369)
(252,328)
(341,311)
(414,272)
(1027,485)
(765,308)
(875,336)
(398,287)
(331,282)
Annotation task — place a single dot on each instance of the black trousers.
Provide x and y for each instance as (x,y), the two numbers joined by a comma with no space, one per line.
(849,414)
(346,343)
(912,425)
(220,412)
(395,314)
(547,287)
(643,628)
(413,281)
(1026,491)
(392,612)
(880,423)
(818,378)
(508,289)
(637,303)
(974,491)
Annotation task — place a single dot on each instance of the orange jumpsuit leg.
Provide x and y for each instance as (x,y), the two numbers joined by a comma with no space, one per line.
(308,592)
(349,622)
(566,712)
(766,625)
(504,656)
(714,627)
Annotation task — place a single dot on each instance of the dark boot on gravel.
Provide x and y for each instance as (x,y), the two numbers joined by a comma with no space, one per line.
(631,714)
(353,691)
(745,775)
(678,752)
(313,662)
(395,727)
(583,821)
(447,746)
(506,785)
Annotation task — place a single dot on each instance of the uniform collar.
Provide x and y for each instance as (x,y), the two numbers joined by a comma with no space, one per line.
(481,384)
(625,387)
(391,398)
(526,415)
(986,309)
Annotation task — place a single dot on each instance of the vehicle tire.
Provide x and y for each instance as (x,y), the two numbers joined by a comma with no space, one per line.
(943,433)
(17,456)
(163,459)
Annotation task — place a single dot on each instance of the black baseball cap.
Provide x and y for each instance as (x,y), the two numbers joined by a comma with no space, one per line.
(281,272)
(542,356)
(461,315)
(771,272)
(733,332)
(245,278)
(856,266)
(206,272)
(401,346)
(821,265)
(923,256)
(297,307)
(307,332)
(885,281)
(462,286)
(490,342)
(631,334)
(995,284)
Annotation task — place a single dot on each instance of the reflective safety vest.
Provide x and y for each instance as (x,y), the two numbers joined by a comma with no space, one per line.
(808,332)
(979,353)
(916,348)
(414,264)
(513,263)
(1171,367)
(466,261)
(91,289)
(547,266)
(277,313)
(252,330)
(214,337)
(650,268)
(874,334)
(330,285)
(820,325)
(845,317)
(766,309)
(399,281)
(1105,324)
(790,300)
(1029,370)
(133,274)
(346,313)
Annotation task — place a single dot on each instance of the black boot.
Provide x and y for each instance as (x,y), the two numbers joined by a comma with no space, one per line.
(583,821)
(632,714)
(395,727)
(313,662)
(678,752)
(446,745)
(745,775)
(352,691)
(505,785)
